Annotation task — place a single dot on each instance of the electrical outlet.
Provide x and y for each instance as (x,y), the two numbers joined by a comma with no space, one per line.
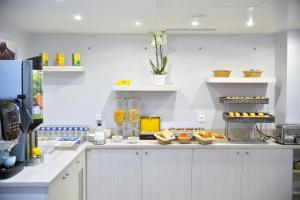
(201,118)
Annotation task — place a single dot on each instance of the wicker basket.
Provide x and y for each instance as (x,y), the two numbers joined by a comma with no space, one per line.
(222,73)
(184,140)
(253,74)
(162,140)
(202,140)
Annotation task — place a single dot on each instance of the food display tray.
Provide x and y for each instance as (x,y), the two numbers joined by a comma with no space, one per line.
(270,119)
(251,100)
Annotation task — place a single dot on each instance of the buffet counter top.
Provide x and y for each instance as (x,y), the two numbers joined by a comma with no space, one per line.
(42,175)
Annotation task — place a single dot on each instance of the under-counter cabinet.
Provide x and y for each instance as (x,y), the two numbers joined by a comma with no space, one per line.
(70,184)
(166,174)
(113,174)
(134,174)
(236,174)
(267,174)
(217,174)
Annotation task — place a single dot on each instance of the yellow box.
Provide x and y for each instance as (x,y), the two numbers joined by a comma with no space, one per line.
(60,59)
(123,82)
(45,59)
(76,59)
(150,124)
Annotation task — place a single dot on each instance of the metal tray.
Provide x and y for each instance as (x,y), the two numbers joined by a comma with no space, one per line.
(270,119)
(251,100)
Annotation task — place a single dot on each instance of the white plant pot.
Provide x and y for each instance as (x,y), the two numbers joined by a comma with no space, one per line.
(159,79)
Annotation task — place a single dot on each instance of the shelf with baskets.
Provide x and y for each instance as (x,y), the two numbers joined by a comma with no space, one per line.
(240,80)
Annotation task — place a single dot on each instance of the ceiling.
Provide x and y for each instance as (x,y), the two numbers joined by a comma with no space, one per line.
(119,16)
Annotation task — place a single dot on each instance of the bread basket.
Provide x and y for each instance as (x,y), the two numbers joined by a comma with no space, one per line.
(252,73)
(202,140)
(162,140)
(222,73)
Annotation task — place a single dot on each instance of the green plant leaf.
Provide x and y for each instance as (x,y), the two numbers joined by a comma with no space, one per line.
(165,60)
(155,69)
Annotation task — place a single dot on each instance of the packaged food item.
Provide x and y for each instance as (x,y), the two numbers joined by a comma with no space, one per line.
(76,59)
(60,59)
(45,59)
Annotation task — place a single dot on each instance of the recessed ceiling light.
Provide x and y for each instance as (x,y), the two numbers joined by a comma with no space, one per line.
(78,17)
(250,22)
(250,8)
(195,23)
(138,23)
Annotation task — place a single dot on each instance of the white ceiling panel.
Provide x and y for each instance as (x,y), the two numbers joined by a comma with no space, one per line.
(119,16)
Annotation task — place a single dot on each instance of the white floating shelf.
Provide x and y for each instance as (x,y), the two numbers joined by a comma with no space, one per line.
(239,80)
(145,88)
(63,69)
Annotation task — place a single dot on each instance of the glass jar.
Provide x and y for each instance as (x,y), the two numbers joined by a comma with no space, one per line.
(134,110)
(119,115)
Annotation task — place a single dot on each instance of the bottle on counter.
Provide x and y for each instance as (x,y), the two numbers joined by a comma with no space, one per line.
(99,137)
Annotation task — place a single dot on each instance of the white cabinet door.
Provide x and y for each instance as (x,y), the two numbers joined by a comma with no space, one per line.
(267,174)
(217,174)
(69,185)
(114,174)
(166,174)
(78,178)
(56,189)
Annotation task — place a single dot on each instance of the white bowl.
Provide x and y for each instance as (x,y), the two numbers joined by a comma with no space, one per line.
(117,138)
(133,139)
(9,161)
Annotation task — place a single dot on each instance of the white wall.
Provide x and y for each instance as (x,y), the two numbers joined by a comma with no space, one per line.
(281,76)
(76,98)
(293,81)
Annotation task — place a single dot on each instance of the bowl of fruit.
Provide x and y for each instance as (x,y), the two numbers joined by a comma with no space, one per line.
(184,138)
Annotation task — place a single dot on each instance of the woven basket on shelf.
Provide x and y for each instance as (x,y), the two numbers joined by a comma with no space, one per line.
(222,73)
(253,74)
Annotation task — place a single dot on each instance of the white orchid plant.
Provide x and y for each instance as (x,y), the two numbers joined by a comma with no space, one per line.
(158,40)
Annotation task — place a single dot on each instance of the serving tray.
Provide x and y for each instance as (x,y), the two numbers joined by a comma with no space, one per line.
(250,100)
(270,119)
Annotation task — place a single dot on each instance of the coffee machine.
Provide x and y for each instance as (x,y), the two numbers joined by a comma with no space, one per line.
(10,130)
(21,92)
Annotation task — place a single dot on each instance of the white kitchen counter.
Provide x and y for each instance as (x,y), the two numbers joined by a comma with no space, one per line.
(42,175)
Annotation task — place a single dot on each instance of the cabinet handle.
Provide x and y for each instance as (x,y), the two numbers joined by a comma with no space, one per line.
(137,153)
(247,153)
(146,153)
(237,153)
(67,174)
(63,177)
